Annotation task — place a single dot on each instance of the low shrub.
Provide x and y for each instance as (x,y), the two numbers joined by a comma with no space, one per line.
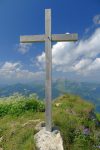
(16,105)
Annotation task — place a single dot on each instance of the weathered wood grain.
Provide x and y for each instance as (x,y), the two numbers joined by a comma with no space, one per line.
(48,54)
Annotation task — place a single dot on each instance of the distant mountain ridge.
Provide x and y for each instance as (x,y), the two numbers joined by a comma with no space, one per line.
(88,91)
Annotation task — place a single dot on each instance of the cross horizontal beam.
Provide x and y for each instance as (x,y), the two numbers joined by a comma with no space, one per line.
(64,37)
(54,38)
(32,38)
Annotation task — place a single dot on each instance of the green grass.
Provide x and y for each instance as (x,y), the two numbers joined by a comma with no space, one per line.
(70,114)
(18,131)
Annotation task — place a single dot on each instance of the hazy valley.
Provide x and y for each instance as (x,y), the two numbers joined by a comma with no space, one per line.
(88,91)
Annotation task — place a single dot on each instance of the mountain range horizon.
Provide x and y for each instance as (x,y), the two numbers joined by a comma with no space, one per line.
(87,90)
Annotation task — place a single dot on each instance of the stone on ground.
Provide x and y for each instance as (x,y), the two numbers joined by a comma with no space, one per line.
(48,140)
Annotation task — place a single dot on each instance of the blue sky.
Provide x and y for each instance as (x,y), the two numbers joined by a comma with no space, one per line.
(25,62)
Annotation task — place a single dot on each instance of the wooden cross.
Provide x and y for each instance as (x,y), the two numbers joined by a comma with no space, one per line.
(48,38)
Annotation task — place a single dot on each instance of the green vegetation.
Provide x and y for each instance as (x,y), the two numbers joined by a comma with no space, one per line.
(75,118)
(18,104)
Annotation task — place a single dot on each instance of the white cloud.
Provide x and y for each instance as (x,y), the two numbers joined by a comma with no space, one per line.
(96,19)
(81,57)
(95,65)
(24,47)
(14,72)
(82,64)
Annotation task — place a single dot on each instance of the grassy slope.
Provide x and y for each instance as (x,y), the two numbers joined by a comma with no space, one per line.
(70,114)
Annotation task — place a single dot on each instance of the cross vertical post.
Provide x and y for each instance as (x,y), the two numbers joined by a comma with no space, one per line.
(48,55)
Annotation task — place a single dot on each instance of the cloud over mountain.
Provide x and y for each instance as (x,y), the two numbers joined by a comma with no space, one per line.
(14,72)
(76,60)
(82,57)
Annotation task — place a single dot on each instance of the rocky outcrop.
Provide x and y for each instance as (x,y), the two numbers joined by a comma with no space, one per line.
(48,140)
